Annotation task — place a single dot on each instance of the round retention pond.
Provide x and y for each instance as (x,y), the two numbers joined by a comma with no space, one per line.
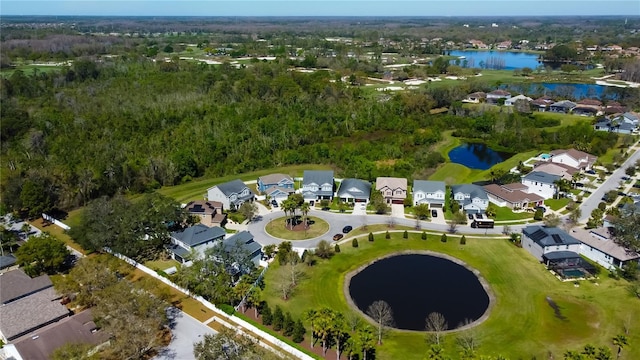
(415,285)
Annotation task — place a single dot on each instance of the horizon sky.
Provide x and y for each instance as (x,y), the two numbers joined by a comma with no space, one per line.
(494,8)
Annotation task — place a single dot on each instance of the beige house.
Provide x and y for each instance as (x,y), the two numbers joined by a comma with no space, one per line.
(513,196)
(564,171)
(209,212)
(394,190)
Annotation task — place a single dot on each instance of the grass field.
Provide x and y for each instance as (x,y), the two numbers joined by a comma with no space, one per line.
(556,204)
(195,190)
(504,214)
(521,324)
(276,228)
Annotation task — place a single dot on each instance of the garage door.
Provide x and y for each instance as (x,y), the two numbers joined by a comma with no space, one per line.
(436,206)
(397,202)
(361,200)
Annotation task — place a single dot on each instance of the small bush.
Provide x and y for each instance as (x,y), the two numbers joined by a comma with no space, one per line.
(463,240)
(226,308)
(538,215)
(405,235)
(162,273)
(370,236)
(387,235)
(443,238)
(423,236)
(354,243)
(336,248)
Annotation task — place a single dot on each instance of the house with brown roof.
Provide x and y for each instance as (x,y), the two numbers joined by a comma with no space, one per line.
(598,246)
(496,95)
(41,344)
(475,98)
(564,171)
(512,196)
(575,158)
(210,212)
(541,104)
(394,190)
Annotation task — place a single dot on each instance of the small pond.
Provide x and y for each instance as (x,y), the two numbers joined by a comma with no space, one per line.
(415,285)
(477,156)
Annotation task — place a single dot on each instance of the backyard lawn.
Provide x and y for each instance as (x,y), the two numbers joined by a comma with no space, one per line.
(556,204)
(504,213)
(520,325)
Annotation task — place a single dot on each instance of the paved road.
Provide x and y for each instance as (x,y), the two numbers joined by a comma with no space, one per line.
(610,183)
(185,331)
(338,221)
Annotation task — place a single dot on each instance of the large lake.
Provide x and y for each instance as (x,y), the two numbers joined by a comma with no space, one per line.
(484,59)
(416,285)
(477,156)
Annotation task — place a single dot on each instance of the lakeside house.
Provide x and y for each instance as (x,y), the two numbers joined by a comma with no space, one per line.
(598,246)
(574,158)
(472,198)
(511,101)
(541,183)
(549,243)
(564,171)
(432,193)
(513,196)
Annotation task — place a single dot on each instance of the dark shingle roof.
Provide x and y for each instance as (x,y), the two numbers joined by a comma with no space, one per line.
(549,236)
(363,188)
(245,238)
(31,312)
(7,261)
(232,187)
(198,234)
(429,186)
(542,177)
(474,191)
(318,177)
(16,284)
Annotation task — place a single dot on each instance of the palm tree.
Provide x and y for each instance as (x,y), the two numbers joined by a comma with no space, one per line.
(289,207)
(324,326)
(312,317)
(339,333)
(620,341)
(305,207)
(366,339)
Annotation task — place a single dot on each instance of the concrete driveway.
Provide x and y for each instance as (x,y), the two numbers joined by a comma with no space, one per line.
(185,330)
(359,209)
(397,211)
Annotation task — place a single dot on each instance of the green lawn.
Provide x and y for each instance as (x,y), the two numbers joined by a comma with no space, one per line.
(556,204)
(504,213)
(276,228)
(196,189)
(521,324)
(161,264)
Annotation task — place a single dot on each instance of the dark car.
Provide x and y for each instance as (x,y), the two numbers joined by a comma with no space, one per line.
(337,237)
(274,204)
(470,216)
(434,213)
(592,172)
(347,228)
(541,208)
(478,216)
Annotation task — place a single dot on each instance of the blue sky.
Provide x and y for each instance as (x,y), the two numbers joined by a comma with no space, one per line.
(320,8)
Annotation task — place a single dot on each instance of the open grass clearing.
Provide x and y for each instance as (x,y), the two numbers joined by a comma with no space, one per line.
(59,233)
(278,228)
(196,189)
(521,316)
(161,264)
(504,213)
(557,204)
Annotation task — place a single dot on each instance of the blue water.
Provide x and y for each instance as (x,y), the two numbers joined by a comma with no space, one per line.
(512,60)
(477,156)
(564,90)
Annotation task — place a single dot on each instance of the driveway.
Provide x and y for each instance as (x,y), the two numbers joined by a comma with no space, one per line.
(359,209)
(611,183)
(397,210)
(185,331)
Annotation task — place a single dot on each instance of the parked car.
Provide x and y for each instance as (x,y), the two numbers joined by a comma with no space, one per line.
(274,204)
(470,216)
(347,228)
(478,216)
(625,178)
(542,208)
(434,213)
(337,237)
(592,172)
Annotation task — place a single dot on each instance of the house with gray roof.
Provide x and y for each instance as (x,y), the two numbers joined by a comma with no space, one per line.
(244,242)
(275,180)
(15,285)
(197,237)
(354,190)
(472,198)
(614,125)
(231,194)
(317,185)
(7,262)
(432,193)
(549,243)
(563,106)
(541,183)
(29,313)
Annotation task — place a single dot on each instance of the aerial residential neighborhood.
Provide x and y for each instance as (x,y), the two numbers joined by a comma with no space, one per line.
(222,181)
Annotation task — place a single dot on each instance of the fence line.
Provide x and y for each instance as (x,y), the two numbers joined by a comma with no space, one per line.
(50,218)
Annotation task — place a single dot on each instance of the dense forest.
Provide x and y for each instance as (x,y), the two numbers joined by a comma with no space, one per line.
(133,125)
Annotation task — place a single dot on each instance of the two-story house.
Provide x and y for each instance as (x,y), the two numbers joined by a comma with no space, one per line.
(471,198)
(282,182)
(210,212)
(394,190)
(541,183)
(317,185)
(194,238)
(428,192)
(575,158)
(354,190)
(563,106)
(494,96)
(231,194)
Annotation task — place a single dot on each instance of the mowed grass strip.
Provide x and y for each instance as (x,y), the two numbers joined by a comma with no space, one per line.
(196,189)
(521,323)
(278,228)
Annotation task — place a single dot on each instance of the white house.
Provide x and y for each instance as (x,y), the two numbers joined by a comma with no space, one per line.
(540,241)
(598,246)
(471,198)
(317,185)
(231,194)
(495,95)
(432,193)
(541,183)
(575,158)
(354,190)
(511,101)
